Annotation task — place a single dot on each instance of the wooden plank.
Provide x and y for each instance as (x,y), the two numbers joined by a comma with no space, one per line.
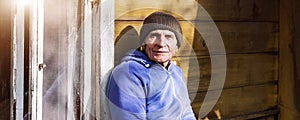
(242,70)
(258,37)
(55,38)
(103,54)
(6,103)
(259,115)
(139,9)
(55,87)
(74,47)
(230,10)
(87,62)
(241,100)
(36,58)
(17,66)
(296,55)
(289,60)
(239,10)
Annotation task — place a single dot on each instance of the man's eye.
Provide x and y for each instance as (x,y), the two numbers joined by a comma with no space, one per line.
(168,36)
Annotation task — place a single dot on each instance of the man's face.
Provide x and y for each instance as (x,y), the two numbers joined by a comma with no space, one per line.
(161,45)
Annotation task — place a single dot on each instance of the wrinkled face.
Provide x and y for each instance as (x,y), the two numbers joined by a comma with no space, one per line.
(160,46)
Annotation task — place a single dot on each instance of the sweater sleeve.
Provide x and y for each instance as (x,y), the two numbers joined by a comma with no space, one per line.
(188,114)
(126,94)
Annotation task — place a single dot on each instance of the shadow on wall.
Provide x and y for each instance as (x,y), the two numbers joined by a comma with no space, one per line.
(128,39)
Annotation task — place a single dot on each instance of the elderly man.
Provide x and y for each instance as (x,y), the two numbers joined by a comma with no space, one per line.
(147,84)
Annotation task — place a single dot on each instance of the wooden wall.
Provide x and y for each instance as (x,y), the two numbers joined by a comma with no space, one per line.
(5,56)
(256,68)
(250,32)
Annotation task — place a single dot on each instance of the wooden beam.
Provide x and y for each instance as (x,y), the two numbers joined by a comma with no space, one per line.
(296,47)
(6,64)
(55,57)
(242,10)
(17,71)
(139,9)
(87,42)
(229,10)
(103,52)
(269,114)
(36,58)
(74,55)
(289,60)
(242,100)
(242,70)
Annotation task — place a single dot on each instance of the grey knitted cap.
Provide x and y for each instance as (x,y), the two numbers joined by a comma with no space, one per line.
(162,21)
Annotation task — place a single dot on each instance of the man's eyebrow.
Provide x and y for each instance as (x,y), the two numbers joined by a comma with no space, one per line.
(169,35)
(155,34)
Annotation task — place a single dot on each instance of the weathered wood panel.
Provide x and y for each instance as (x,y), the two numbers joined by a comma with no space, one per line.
(289,78)
(296,51)
(139,9)
(5,39)
(242,100)
(236,10)
(231,10)
(5,108)
(103,53)
(238,37)
(242,70)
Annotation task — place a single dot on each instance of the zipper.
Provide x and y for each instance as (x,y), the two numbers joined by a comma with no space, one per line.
(175,96)
(173,90)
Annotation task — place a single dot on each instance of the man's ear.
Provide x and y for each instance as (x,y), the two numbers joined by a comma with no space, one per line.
(175,50)
(142,47)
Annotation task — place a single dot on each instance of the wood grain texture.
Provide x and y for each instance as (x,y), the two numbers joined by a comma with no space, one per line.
(242,70)
(229,10)
(139,9)
(5,109)
(238,37)
(5,59)
(240,10)
(296,55)
(242,100)
(289,60)
(5,49)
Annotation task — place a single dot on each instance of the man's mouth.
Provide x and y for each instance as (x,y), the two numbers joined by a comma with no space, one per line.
(161,51)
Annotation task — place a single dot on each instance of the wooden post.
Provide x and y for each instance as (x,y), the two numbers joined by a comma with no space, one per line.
(36,31)
(87,61)
(296,55)
(289,60)
(103,47)
(73,58)
(17,71)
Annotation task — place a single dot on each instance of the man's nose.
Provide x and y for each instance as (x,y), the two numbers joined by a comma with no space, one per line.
(162,41)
